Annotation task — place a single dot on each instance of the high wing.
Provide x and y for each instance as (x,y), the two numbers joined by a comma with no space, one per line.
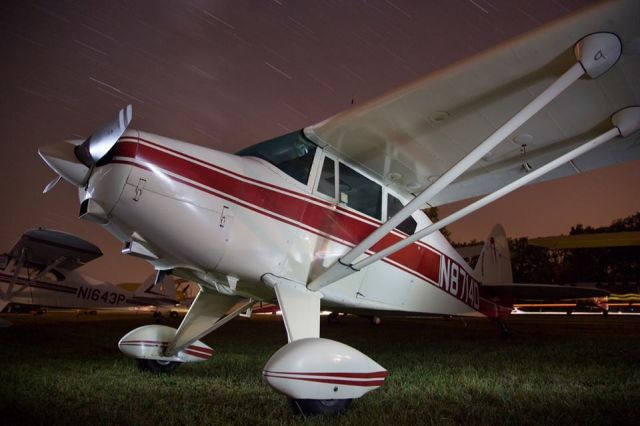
(520,113)
(45,247)
(410,137)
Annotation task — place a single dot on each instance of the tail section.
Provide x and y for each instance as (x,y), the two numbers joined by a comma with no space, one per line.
(162,293)
(494,263)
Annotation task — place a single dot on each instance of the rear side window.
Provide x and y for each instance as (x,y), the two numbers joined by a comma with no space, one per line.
(394,205)
(291,153)
(327,182)
(360,193)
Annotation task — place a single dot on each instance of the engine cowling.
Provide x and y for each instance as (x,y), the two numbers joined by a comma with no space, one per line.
(321,369)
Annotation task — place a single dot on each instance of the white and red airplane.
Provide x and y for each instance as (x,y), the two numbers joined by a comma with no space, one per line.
(330,216)
(41,270)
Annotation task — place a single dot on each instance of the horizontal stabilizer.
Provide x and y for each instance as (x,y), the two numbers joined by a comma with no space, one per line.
(539,292)
(163,292)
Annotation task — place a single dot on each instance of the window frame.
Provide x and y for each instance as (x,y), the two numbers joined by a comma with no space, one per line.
(319,164)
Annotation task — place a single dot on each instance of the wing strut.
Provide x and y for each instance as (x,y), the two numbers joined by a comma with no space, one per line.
(49,267)
(595,54)
(619,119)
(18,266)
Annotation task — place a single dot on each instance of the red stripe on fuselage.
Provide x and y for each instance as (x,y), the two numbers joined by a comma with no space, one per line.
(282,204)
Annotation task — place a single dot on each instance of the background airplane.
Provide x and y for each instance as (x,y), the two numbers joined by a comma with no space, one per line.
(41,270)
(623,298)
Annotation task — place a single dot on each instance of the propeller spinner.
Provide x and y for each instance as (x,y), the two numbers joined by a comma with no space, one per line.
(74,160)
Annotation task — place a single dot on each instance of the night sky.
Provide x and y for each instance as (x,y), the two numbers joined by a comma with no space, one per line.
(228,74)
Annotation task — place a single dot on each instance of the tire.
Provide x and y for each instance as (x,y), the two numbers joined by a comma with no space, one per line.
(156,366)
(173,314)
(319,407)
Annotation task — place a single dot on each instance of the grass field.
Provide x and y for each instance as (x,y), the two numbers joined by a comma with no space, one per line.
(62,369)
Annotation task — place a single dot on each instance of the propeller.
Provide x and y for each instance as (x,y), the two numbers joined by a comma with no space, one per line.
(75,160)
(51,184)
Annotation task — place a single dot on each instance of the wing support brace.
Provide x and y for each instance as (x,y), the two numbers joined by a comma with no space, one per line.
(205,315)
(49,267)
(11,294)
(595,54)
(18,266)
(625,122)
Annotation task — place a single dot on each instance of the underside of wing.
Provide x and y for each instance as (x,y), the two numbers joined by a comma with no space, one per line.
(43,247)
(539,292)
(411,136)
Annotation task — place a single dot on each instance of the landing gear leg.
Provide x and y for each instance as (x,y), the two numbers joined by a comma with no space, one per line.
(505,331)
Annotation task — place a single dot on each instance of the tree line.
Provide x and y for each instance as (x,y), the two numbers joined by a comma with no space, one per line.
(616,269)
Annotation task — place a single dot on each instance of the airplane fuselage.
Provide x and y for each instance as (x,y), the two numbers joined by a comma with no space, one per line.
(227,220)
(65,289)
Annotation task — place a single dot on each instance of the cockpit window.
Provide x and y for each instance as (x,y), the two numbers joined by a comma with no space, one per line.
(360,193)
(394,205)
(292,153)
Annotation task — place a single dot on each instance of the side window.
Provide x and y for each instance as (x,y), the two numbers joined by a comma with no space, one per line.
(394,205)
(360,193)
(327,182)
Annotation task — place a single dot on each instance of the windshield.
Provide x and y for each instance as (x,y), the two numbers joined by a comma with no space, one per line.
(292,153)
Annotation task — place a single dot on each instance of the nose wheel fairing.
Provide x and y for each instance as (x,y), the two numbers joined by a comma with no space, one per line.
(165,345)
(150,342)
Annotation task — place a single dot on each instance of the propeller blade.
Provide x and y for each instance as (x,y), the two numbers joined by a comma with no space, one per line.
(62,159)
(74,160)
(92,150)
(51,184)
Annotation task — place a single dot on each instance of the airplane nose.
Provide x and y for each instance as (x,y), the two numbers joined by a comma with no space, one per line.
(74,161)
